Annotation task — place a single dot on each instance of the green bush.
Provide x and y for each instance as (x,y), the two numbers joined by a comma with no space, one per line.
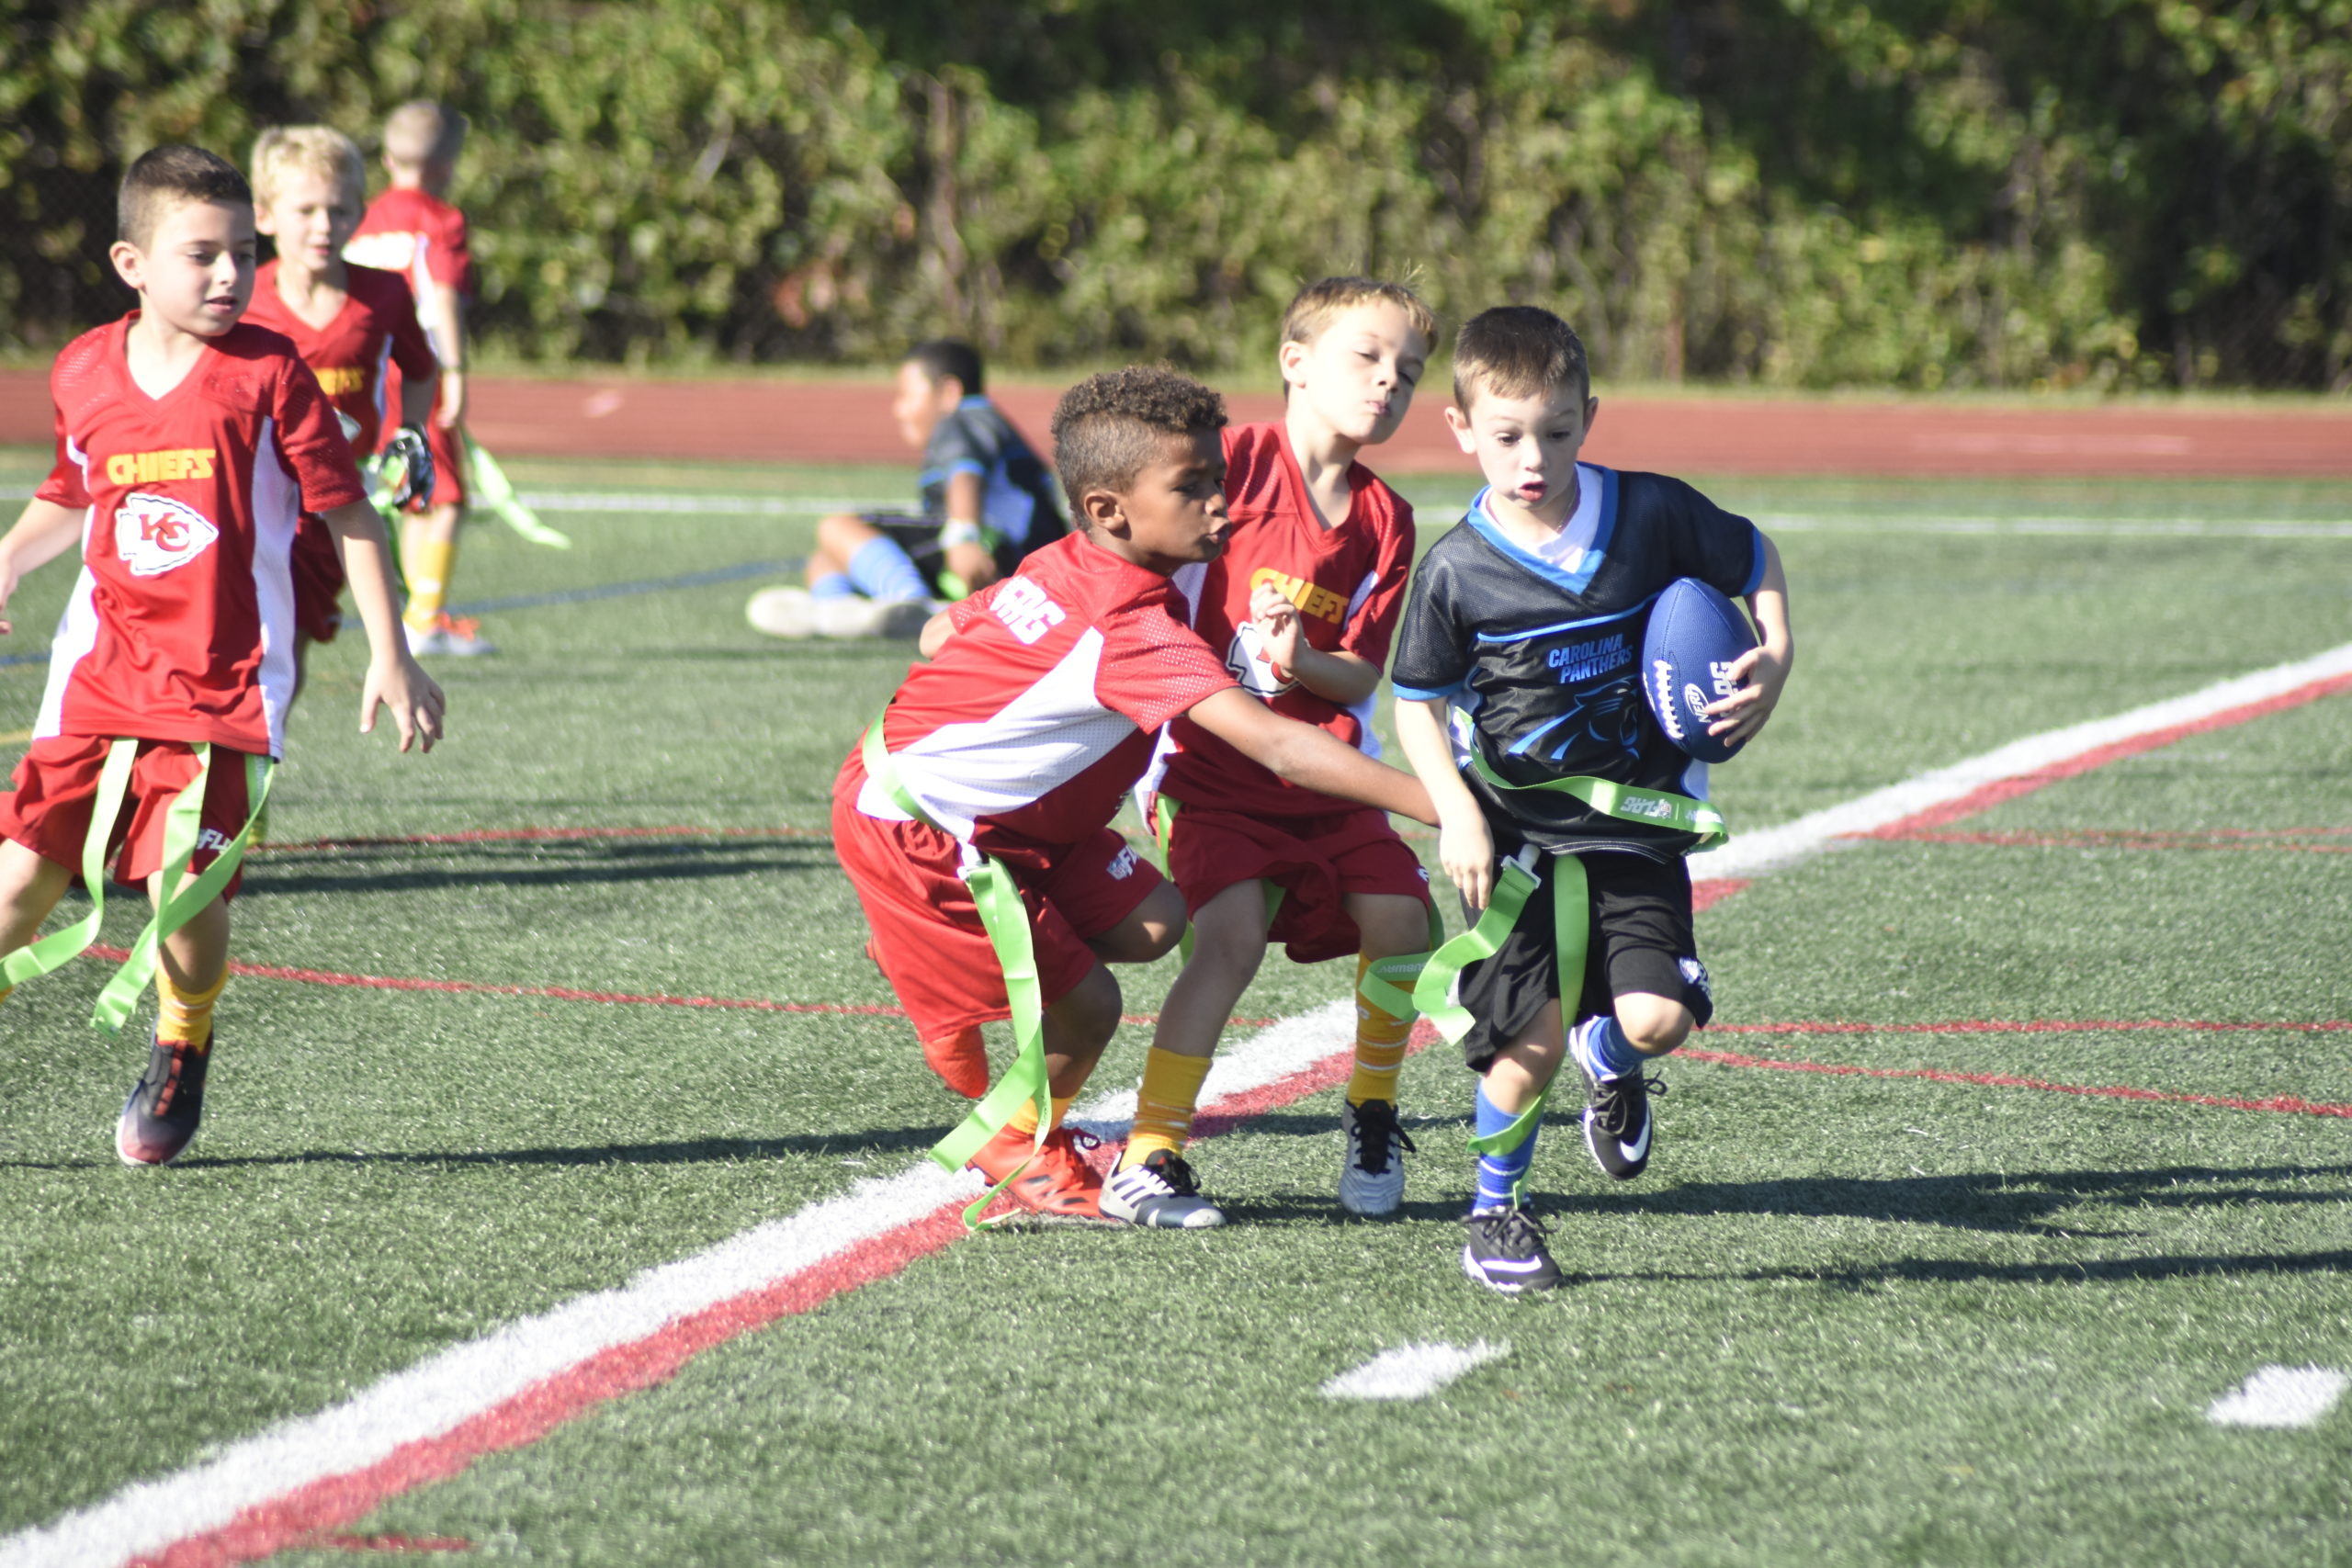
(1816,193)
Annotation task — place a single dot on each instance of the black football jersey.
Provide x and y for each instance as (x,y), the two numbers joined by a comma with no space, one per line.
(1543,661)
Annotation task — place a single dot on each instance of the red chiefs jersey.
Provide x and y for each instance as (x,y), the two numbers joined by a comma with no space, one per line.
(376,326)
(181,625)
(1040,711)
(421,237)
(1349,584)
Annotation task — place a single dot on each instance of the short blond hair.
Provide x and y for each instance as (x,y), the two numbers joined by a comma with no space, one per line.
(421,131)
(284,150)
(1316,305)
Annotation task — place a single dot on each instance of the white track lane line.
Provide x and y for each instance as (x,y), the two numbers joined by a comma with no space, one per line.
(1413,1372)
(2281,1397)
(448,1388)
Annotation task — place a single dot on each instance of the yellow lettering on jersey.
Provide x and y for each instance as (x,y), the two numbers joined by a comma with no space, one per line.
(156,467)
(336,380)
(1320,602)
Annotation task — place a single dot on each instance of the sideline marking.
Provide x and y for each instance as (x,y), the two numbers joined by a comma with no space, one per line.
(2299,841)
(2281,1397)
(2286,1104)
(506,1389)
(1413,1372)
(2061,527)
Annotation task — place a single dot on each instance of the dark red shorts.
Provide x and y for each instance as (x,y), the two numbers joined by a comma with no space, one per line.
(448,449)
(57,788)
(927,933)
(318,582)
(1315,861)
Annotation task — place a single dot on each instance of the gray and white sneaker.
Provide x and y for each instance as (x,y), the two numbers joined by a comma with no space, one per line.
(1506,1252)
(851,616)
(1372,1182)
(1160,1192)
(783,611)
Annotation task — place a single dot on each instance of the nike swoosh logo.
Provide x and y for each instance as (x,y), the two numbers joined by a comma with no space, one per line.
(1636,1151)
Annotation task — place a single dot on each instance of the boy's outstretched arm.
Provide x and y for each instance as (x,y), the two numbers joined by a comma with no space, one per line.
(43,531)
(1466,846)
(1763,669)
(1308,757)
(394,678)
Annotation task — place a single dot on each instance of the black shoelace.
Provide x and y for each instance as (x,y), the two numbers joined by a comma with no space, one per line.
(1613,1105)
(1374,1128)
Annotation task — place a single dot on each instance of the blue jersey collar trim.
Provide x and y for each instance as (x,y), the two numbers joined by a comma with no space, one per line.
(1575,581)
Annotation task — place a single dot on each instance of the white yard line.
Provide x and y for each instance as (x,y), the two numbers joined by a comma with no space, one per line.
(2281,1397)
(437,1394)
(2060,527)
(1412,1371)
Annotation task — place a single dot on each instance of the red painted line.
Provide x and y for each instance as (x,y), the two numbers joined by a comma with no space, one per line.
(1994,794)
(1712,890)
(2284,1103)
(2038,1026)
(388,1543)
(305,1514)
(2284,840)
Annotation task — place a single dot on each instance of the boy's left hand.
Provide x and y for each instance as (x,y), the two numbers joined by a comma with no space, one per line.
(1760,673)
(1277,621)
(417,704)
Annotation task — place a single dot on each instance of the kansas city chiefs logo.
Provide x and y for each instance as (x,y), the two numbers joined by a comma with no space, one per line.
(1247,661)
(155,534)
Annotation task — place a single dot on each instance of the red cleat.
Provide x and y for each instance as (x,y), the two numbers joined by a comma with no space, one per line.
(961,1061)
(1058,1183)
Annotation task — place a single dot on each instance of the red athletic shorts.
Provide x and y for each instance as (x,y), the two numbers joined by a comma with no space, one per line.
(448,449)
(318,582)
(927,933)
(1315,861)
(57,788)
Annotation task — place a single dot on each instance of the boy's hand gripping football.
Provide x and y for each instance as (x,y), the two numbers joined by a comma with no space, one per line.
(1761,674)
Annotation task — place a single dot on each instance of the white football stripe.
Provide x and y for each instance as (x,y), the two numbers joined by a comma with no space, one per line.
(1771,849)
(1412,1371)
(2281,1397)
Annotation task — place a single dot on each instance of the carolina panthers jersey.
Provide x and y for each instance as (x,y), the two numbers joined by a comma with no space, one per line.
(1018,496)
(1541,658)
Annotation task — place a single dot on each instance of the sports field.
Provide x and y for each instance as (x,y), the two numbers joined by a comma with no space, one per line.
(562,1196)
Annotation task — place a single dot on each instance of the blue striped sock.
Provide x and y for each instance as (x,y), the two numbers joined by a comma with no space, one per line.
(1603,1049)
(882,570)
(832,585)
(1498,1174)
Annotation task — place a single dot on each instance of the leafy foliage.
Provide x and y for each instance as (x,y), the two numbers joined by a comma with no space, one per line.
(1916,193)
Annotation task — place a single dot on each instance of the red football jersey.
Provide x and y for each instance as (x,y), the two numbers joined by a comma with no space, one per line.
(421,237)
(1041,710)
(375,326)
(181,625)
(1349,584)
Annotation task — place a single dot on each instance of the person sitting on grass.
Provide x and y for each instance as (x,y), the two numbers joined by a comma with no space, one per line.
(974,818)
(987,502)
(1526,622)
(189,447)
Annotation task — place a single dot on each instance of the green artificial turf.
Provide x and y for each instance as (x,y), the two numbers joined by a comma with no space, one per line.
(1845,1319)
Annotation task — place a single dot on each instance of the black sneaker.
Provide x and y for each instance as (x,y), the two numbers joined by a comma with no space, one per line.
(1506,1252)
(1372,1182)
(1617,1123)
(166,1104)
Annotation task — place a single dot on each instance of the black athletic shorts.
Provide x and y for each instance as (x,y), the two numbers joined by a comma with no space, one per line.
(919,537)
(1640,940)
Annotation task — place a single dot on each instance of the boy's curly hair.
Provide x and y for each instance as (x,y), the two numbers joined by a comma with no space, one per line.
(1518,350)
(166,178)
(1108,427)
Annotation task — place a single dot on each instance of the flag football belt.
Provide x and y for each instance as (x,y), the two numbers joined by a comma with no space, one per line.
(1432,975)
(1006,919)
(183,826)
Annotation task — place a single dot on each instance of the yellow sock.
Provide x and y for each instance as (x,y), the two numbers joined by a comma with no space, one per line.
(185,1018)
(6,991)
(1380,1047)
(1025,1115)
(1171,1087)
(428,562)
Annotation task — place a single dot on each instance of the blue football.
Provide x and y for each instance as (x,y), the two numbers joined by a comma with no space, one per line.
(1695,634)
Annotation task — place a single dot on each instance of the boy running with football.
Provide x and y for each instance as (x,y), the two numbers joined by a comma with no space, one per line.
(348,323)
(973,819)
(1301,605)
(1553,783)
(413,229)
(987,502)
(189,447)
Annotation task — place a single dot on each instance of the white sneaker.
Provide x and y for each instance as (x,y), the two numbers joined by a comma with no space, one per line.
(1372,1182)
(1159,1192)
(458,638)
(783,611)
(852,615)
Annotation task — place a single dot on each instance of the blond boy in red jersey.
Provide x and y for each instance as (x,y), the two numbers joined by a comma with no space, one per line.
(188,445)
(351,324)
(1301,607)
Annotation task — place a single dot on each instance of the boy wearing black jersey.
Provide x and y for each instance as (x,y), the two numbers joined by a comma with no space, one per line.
(1526,622)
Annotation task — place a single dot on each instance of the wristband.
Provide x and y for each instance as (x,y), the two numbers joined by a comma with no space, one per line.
(958,531)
